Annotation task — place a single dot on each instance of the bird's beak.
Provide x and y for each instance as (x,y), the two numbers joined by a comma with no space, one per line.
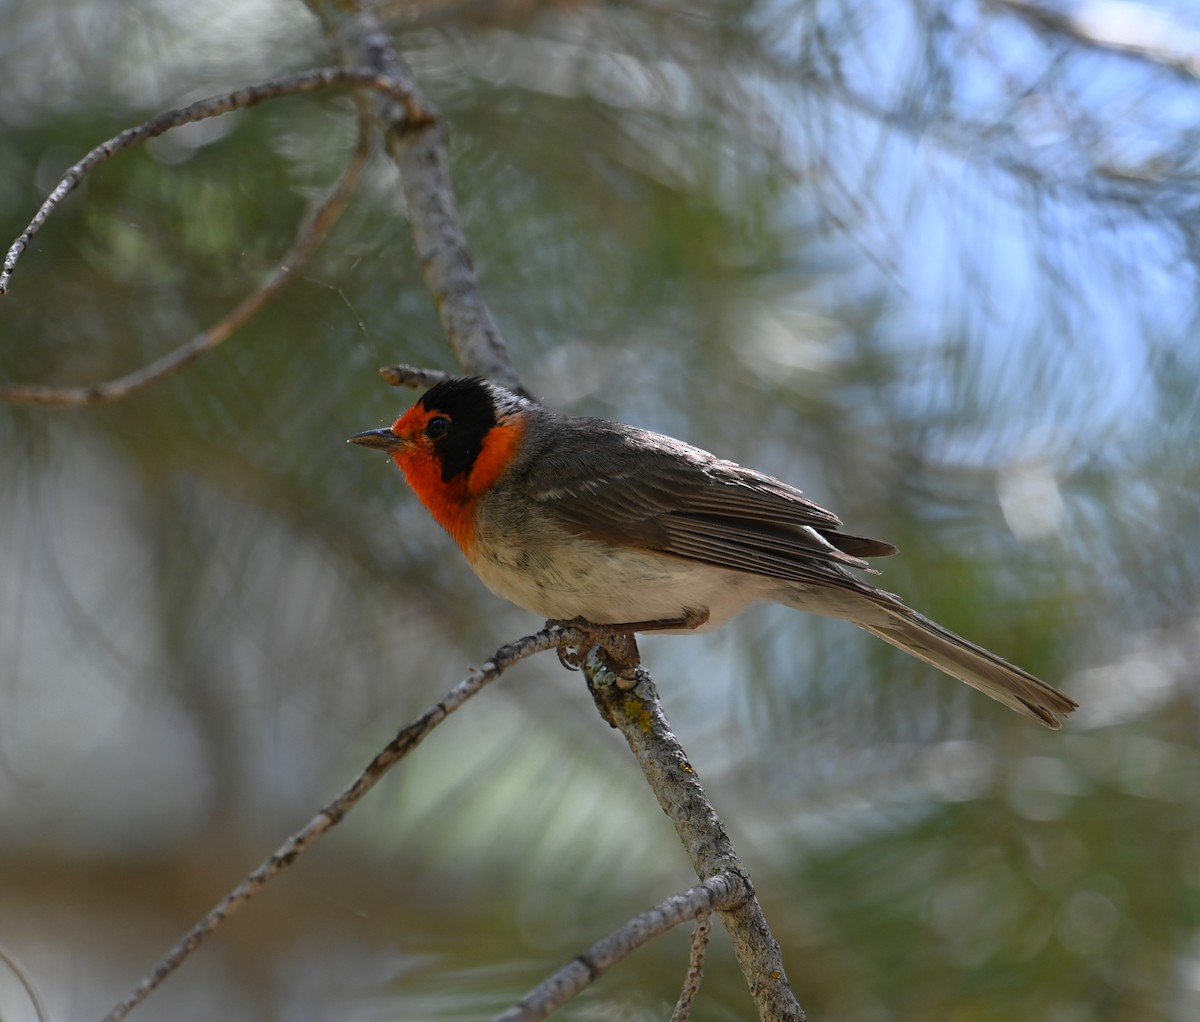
(380,439)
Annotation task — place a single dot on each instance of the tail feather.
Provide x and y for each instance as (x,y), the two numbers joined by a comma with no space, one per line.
(983,670)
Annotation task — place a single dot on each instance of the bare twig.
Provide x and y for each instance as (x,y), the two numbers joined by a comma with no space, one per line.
(695,973)
(419,149)
(405,741)
(724,891)
(214,106)
(312,232)
(638,714)
(39,1006)
(412,376)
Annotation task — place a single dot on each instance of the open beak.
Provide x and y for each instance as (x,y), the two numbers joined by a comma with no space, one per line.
(380,439)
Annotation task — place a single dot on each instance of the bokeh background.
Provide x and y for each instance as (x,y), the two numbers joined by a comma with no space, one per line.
(933,260)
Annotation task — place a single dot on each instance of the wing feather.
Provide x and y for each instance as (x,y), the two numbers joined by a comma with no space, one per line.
(636,488)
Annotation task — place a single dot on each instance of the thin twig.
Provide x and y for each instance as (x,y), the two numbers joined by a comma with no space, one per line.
(639,716)
(724,891)
(214,106)
(405,741)
(695,973)
(313,230)
(35,999)
(412,376)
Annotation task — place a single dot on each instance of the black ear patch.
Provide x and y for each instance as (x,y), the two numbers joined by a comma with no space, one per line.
(469,405)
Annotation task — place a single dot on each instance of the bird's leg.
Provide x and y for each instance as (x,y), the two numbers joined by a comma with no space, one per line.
(618,650)
(687,621)
(618,647)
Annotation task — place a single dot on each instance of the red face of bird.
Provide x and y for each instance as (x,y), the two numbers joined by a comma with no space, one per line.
(451,445)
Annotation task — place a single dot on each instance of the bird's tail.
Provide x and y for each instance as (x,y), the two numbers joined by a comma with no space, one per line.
(914,633)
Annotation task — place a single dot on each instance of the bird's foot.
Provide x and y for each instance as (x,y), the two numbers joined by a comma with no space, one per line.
(616,643)
(616,648)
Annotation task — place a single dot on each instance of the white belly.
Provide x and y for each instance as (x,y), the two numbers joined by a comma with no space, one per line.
(576,577)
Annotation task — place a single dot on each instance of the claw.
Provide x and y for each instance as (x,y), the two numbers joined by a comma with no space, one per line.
(574,657)
(617,643)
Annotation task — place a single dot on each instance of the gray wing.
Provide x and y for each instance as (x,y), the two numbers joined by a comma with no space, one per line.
(634,488)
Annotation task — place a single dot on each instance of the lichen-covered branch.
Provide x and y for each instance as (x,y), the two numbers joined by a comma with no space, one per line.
(721,892)
(637,713)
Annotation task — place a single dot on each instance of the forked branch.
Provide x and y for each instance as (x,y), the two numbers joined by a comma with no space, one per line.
(637,713)
(214,106)
(315,227)
(313,230)
(721,892)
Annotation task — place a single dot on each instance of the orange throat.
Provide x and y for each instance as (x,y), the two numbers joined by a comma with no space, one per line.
(453,502)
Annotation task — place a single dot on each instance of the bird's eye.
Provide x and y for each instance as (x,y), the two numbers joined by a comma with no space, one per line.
(437,427)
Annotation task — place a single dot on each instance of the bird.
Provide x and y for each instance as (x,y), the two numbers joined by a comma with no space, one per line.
(596,522)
